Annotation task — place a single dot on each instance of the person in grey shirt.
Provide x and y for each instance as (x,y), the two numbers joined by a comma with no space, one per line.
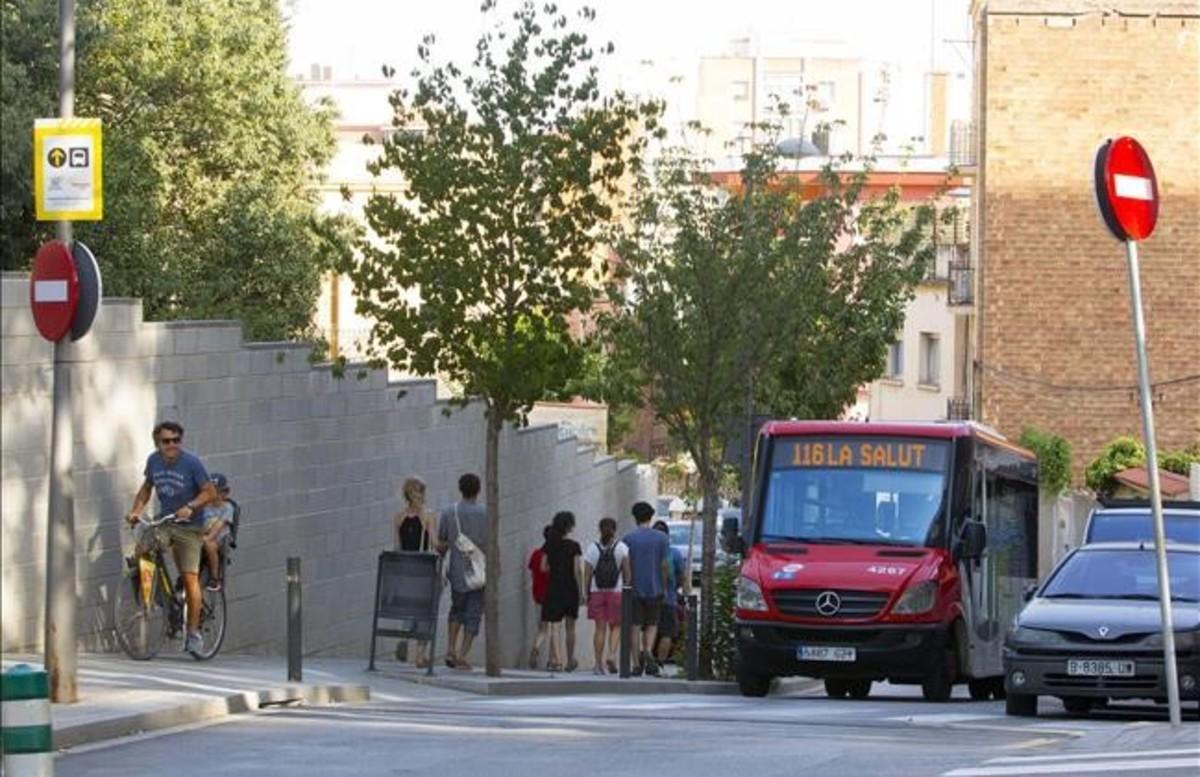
(466,606)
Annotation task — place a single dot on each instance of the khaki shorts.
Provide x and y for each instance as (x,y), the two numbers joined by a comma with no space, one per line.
(187,541)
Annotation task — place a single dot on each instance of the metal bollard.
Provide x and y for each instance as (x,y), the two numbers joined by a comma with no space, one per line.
(626,628)
(26,738)
(693,642)
(294,626)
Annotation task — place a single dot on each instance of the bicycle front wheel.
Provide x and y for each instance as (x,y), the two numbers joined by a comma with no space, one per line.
(212,623)
(140,627)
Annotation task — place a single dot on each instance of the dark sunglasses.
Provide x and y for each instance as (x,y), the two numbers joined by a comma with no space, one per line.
(170,440)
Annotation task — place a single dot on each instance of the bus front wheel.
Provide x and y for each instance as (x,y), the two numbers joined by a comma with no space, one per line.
(752,683)
(939,683)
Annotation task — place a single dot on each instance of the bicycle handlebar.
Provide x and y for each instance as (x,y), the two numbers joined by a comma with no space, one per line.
(157,520)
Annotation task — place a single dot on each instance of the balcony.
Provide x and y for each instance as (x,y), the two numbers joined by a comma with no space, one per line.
(960,286)
(962,145)
(958,409)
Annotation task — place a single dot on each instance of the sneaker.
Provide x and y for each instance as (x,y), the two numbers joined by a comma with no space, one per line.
(214,586)
(651,666)
(194,643)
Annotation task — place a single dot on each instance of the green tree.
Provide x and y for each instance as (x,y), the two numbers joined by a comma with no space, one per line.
(1120,454)
(210,155)
(1054,458)
(724,290)
(511,168)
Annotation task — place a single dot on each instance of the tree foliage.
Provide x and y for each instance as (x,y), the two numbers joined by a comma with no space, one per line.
(1054,459)
(512,167)
(755,288)
(210,155)
(1123,453)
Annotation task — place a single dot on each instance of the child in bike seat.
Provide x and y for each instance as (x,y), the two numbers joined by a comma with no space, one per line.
(218,518)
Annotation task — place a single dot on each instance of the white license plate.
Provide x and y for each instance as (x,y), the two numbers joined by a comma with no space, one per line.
(806,653)
(1088,667)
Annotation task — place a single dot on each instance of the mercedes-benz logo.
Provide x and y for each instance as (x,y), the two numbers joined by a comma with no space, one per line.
(828,603)
(1102,631)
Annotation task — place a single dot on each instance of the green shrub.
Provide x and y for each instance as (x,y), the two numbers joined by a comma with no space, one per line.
(724,626)
(1180,462)
(1054,459)
(1120,454)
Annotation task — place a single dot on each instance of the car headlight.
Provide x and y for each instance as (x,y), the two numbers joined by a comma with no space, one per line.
(1027,636)
(1185,641)
(750,595)
(918,599)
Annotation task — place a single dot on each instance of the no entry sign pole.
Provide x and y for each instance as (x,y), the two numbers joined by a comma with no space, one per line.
(1127,194)
(61,658)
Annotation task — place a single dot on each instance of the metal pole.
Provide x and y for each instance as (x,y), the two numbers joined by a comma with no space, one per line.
(693,642)
(59,635)
(294,627)
(626,628)
(1160,547)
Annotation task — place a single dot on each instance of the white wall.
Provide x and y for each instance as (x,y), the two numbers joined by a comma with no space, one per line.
(316,463)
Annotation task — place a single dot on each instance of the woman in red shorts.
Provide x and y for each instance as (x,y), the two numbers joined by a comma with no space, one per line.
(605,563)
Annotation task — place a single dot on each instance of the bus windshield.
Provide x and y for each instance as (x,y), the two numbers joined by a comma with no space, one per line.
(861,491)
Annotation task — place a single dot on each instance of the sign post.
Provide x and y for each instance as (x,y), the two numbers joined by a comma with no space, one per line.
(1127,195)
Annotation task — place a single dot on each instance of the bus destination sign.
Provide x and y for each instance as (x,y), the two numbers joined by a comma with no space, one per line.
(861,453)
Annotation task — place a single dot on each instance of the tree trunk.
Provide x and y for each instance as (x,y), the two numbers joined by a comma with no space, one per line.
(710,480)
(491,594)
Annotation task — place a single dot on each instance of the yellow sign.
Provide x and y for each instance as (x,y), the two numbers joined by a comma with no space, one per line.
(68,183)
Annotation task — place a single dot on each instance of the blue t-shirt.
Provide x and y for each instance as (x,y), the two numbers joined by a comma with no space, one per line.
(177,484)
(647,549)
(675,572)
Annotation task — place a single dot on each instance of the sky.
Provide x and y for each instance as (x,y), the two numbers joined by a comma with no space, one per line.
(355,37)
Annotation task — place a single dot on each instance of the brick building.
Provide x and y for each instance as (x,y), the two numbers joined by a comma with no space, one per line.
(1052,326)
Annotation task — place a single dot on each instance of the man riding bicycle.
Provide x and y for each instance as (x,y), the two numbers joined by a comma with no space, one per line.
(183,487)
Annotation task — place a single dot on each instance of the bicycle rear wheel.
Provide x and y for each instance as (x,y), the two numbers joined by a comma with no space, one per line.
(140,627)
(212,621)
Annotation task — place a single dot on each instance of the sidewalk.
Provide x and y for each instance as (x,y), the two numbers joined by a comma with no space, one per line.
(118,697)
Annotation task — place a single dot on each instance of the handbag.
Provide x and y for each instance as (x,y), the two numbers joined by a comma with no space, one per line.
(474,562)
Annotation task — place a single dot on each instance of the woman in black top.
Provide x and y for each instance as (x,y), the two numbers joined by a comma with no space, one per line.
(562,558)
(413,530)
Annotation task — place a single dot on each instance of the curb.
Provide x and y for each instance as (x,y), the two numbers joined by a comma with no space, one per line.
(553,686)
(205,709)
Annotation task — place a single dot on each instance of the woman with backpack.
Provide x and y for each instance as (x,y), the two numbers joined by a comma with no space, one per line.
(604,564)
(561,560)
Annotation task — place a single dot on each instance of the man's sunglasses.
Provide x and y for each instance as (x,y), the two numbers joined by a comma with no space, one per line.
(170,440)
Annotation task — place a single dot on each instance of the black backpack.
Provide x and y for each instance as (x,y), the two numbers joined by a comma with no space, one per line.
(607,572)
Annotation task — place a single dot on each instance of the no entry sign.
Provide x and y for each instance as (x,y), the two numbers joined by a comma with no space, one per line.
(54,290)
(1126,189)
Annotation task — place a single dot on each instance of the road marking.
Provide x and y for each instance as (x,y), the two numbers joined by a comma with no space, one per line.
(1142,765)
(1086,756)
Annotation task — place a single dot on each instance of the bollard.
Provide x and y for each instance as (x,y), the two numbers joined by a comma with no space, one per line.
(693,662)
(26,738)
(294,631)
(626,628)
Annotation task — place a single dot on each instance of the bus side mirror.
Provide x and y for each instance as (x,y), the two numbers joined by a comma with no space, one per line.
(973,540)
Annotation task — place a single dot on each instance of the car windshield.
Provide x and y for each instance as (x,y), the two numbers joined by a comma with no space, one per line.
(1124,574)
(885,492)
(1134,527)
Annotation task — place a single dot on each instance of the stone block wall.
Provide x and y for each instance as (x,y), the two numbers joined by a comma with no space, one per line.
(315,461)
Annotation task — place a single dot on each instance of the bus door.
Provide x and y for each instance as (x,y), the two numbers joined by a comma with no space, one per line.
(984,630)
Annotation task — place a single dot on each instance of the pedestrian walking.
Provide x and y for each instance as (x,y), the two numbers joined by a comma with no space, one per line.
(605,565)
(462,535)
(539,582)
(414,528)
(562,560)
(668,619)
(648,557)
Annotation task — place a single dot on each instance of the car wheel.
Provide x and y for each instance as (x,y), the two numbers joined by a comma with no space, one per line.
(939,683)
(980,690)
(1077,705)
(1021,705)
(859,689)
(836,689)
(753,684)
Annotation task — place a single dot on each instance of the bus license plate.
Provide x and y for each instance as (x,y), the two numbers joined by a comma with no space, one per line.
(1084,667)
(806,653)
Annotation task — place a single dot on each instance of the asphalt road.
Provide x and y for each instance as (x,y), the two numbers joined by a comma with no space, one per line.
(892,733)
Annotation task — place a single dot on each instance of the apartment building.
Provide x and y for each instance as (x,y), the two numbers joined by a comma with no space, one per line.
(1051,328)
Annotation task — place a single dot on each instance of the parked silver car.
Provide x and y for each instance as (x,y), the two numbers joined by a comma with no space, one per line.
(1092,632)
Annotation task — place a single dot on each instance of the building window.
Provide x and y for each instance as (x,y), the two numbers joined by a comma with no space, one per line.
(895,363)
(930,359)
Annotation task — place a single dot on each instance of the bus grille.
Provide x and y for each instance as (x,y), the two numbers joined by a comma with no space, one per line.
(802,603)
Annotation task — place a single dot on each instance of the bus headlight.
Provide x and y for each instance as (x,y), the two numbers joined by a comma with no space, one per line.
(750,595)
(918,599)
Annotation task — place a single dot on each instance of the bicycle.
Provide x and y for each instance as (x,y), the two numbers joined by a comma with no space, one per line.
(149,607)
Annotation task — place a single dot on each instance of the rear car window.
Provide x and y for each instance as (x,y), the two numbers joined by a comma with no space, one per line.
(1137,527)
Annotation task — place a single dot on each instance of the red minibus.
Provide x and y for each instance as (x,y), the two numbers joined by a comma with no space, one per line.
(884,551)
